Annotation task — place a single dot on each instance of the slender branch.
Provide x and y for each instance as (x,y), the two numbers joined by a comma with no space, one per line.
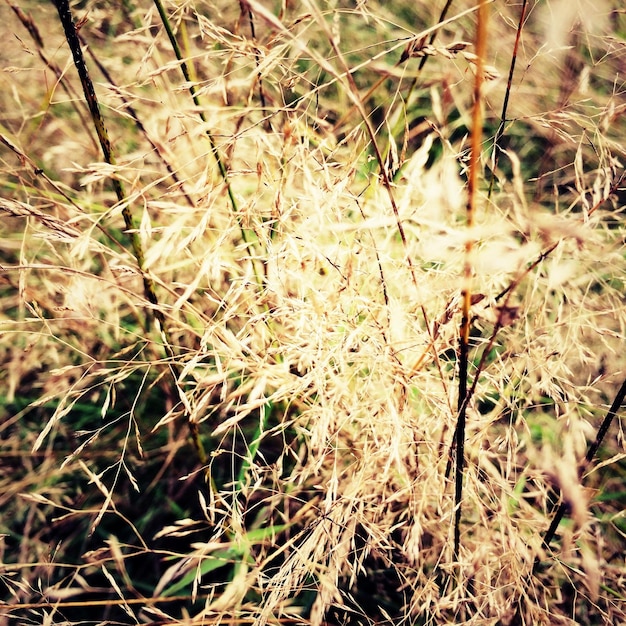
(591,453)
(495,154)
(267,123)
(65,16)
(214,149)
(474,165)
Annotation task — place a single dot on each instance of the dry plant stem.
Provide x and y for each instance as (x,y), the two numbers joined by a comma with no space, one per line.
(267,124)
(431,40)
(474,164)
(29,24)
(141,127)
(143,601)
(73,41)
(223,173)
(65,16)
(500,322)
(591,453)
(214,149)
(382,79)
(505,104)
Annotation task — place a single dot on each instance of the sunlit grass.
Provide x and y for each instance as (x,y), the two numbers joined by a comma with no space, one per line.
(306,237)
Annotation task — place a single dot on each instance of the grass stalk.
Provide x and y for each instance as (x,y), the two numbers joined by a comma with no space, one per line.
(257,59)
(221,165)
(196,100)
(65,15)
(592,450)
(495,151)
(73,41)
(431,41)
(472,200)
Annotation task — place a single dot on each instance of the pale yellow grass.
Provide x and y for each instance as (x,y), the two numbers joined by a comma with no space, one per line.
(321,317)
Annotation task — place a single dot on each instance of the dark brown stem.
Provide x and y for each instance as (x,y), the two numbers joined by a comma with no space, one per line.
(591,453)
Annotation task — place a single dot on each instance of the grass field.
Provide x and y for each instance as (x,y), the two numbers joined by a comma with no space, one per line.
(312,312)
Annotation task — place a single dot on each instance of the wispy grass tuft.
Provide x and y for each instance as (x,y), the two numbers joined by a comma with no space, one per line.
(385,246)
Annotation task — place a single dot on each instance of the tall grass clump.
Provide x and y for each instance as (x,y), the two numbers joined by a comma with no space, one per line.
(313,313)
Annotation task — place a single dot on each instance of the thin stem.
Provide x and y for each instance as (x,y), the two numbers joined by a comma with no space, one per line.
(431,40)
(267,124)
(73,41)
(474,165)
(495,154)
(591,453)
(214,149)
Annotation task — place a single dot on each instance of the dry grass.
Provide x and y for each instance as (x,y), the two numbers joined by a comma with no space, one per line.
(278,446)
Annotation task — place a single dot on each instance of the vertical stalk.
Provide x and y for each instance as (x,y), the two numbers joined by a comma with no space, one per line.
(474,165)
(267,124)
(495,153)
(65,16)
(221,165)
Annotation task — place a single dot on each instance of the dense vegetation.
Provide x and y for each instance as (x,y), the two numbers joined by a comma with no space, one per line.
(313,312)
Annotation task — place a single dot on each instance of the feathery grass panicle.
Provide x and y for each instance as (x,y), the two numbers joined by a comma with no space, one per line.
(331,310)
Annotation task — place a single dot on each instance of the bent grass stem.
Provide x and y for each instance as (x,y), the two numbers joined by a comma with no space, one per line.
(65,16)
